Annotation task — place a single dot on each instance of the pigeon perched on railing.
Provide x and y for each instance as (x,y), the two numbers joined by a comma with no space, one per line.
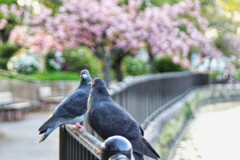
(72,110)
(108,119)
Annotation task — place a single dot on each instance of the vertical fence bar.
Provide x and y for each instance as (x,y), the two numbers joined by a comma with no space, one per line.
(62,144)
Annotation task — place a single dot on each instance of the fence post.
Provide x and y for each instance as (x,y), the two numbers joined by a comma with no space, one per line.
(62,143)
(116,148)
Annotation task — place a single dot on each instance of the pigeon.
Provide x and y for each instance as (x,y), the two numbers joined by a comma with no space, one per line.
(108,119)
(71,110)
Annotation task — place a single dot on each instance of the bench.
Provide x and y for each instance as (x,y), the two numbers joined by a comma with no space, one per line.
(47,99)
(11,108)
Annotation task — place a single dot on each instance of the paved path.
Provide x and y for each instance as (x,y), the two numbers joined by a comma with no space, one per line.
(214,135)
(19,140)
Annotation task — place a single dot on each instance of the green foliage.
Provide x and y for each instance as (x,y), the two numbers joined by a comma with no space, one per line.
(135,66)
(53,4)
(169,131)
(78,59)
(162,2)
(182,28)
(12,21)
(215,76)
(165,64)
(123,2)
(6,51)
(3,63)
(191,19)
(54,61)
(8,1)
(237,74)
(222,45)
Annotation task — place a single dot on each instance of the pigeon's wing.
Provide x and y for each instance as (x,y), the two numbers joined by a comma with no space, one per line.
(74,105)
(107,119)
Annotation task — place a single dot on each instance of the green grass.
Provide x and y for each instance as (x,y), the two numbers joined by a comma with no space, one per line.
(52,76)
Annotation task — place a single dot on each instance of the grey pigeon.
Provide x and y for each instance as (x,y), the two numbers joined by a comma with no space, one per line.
(108,119)
(72,109)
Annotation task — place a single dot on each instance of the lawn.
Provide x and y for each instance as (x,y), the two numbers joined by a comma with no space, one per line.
(51,76)
(46,76)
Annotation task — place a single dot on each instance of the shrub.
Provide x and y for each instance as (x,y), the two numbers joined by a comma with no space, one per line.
(24,64)
(54,61)
(165,64)
(6,51)
(3,63)
(78,59)
(135,66)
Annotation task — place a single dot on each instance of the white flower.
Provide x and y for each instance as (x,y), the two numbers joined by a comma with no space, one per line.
(25,64)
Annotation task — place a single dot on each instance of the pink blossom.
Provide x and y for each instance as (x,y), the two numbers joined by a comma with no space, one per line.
(3,23)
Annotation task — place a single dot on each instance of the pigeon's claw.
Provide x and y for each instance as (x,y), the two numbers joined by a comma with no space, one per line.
(79,127)
(99,151)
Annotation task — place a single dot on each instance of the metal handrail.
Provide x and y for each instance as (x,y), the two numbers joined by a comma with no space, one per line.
(93,144)
(134,93)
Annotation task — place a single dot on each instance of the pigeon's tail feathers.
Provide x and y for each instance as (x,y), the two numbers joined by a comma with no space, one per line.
(141,146)
(49,126)
(47,133)
(151,148)
(51,122)
(137,156)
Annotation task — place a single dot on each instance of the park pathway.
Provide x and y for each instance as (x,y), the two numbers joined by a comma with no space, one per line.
(213,135)
(19,140)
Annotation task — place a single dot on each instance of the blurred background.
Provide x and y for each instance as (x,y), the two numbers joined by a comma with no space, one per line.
(45,44)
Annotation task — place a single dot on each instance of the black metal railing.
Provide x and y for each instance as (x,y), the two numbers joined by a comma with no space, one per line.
(73,149)
(141,96)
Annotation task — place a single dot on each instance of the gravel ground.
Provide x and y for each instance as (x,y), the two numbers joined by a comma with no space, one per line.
(213,135)
(19,140)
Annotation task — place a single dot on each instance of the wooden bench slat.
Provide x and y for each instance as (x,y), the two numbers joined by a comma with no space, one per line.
(5,98)
(12,108)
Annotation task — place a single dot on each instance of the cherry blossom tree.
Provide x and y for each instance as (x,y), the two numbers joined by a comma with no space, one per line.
(107,28)
(10,16)
(174,30)
(113,30)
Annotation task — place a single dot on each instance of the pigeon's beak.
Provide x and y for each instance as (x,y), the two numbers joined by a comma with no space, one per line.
(84,76)
(90,83)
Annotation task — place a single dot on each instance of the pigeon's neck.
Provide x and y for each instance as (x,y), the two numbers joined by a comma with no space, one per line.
(100,91)
(98,95)
(84,83)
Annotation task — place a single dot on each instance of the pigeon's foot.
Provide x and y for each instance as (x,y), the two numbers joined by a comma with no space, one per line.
(79,127)
(99,151)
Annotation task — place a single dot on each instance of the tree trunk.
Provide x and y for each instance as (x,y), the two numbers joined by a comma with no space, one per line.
(117,61)
(105,58)
(151,60)
(42,63)
(106,67)
(152,63)
(118,70)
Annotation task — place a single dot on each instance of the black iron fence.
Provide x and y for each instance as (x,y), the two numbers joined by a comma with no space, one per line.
(141,96)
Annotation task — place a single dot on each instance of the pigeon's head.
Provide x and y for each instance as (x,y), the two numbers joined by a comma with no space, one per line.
(97,83)
(99,86)
(85,76)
